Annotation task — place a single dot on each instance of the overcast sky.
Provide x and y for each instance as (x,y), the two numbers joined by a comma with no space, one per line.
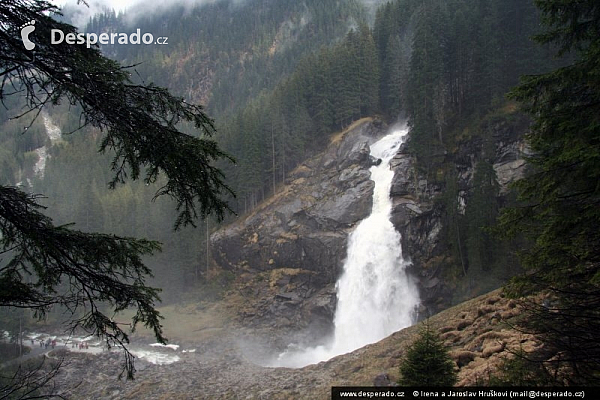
(97,4)
(123,4)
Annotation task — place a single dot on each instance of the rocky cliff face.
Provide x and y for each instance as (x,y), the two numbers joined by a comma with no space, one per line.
(289,252)
(292,247)
(418,213)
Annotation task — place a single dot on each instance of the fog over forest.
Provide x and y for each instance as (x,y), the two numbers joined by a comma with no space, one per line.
(247,193)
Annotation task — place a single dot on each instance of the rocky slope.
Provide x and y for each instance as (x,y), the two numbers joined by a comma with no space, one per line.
(289,252)
(478,333)
(286,256)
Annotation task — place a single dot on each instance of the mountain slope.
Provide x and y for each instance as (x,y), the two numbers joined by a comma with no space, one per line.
(221,53)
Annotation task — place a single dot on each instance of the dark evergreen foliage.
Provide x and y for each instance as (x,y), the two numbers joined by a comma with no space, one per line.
(560,211)
(443,64)
(139,121)
(52,266)
(481,213)
(226,52)
(464,57)
(282,78)
(448,65)
(326,93)
(427,362)
(46,265)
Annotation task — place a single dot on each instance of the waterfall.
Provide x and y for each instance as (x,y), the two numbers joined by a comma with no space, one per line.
(54,134)
(52,130)
(375,295)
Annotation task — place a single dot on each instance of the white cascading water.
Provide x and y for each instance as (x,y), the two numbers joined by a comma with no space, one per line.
(375,295)
(54,134)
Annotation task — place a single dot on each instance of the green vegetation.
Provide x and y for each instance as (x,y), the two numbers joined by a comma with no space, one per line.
(275,132)
(222,53)
(427,362)
(559,211)
(465,56)
(227,52)
(523,371)
(92,276)
(281,78)
(448,65)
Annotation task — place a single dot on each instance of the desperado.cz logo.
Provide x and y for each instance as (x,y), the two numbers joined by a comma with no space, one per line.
(57,36)
(26,30)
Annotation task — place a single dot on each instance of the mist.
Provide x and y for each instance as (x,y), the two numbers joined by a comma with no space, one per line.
(79,14)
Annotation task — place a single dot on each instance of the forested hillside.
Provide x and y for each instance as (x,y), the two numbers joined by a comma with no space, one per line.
(220,54)
(466,57)
(280,77)
(446,66)
(496,179)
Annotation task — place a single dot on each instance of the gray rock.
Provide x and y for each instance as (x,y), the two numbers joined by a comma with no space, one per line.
(306,227)
(383,380)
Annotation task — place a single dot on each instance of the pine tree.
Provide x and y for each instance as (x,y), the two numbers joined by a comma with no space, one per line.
(368,77)
(427,362)
(481,213)
(425,79)
(394,76)
(454,220)
(45,266)
(560,211)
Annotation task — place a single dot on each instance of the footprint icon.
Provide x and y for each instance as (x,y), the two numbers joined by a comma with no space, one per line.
(26,29)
